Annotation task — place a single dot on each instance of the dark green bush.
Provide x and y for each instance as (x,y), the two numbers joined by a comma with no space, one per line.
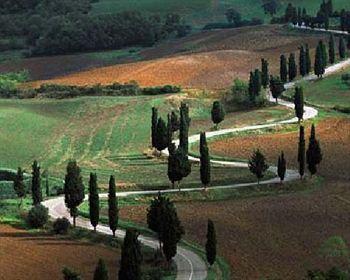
(38,216)
(61,226)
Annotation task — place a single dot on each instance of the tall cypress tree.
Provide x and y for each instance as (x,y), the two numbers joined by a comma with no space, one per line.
(73,189)
(154,126)
(299,103)
(210,246)
(324,54)
(264,73)
(94,201)
(179,165)
(308,59)
(19,186)
(331,49)
(170,130)
(302,61)
(313,153)
(184,127)
(217,113)
(113,211)
(36,185)
(342,48)
(257,165)
(251,87)
(131,257)
(319,64)
(101,272)
(276,87)
(257,82)
(204,161)
(292,67)
(283,69)
(162,135)
(301,152)
(281,167)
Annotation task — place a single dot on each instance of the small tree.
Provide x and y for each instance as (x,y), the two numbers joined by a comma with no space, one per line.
(73,189)
(94,201)
(313,153)
(131,257)
(70,274)
(36,186)
(257,165)
(101,271)
(276,87)
(162,135)
(331,49)
(301,152)
(210,246)
(308,59)
(179,165)
(217,113)
(204,161)
(113,212)
(19,186)
(270,7)
(281,167)
(264,73)
(154,126)
(233,16)
(299,103)
(292,67)
(283,69)
(342,48)
(302,61)
(319,65)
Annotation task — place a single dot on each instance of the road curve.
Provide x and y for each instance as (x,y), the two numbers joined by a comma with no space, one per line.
(190,266)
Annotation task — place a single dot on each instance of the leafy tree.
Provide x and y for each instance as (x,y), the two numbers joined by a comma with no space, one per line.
(204,161)
(302,61)
(257,165)
(264,73)
(301,152)
(113,211)
(292,67)
(70,274)
(283,69)
(154,126)
(270,7)
(217,113)
(162,135)
(331,49)
(210,246)
(299,103)
(319,68)
(233,16)
(94,201)
(276,87)
(131,257)
(38,216)
(19,186)
(313,153)
(179,165)
(73,189)
(101,271)
(184,127)
(36,186)
(342,48)
(308,59)
(281,167)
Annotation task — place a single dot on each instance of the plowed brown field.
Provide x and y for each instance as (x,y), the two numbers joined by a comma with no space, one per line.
(334,135)
(207,60)
(37,257)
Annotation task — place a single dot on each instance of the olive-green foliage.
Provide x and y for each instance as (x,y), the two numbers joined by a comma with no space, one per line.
(38,216)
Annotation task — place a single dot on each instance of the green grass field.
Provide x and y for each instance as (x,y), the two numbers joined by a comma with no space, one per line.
(107,135)
(199,12)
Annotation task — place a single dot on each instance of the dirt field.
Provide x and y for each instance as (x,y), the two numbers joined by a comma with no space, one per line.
(334,135)
(207,60)
(43,257)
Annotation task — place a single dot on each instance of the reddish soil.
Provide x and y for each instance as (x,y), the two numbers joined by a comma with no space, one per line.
(43,257)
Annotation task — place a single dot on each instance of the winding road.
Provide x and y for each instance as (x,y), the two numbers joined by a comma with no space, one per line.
(191,266)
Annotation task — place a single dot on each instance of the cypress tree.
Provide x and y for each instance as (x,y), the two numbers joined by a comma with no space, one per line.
(313,153)
(154,126)
(324,54)
(342,48)
(299,103)
(94,201)
(184,127)
(210,246)
(175,122)
(19,186)
(251,87)
(113,211)
(162,135)
(73,189)
(257,165)
(331,49)
(326,22)
(264,73)
(170,130)
(283,69)
(36,186)
(204,161)
(281,167)
(302,61)
(217,113)
(292,67)
(319,65)
(131,257)
(308,59)
(257,82)
(276,87)
(101,272)
(301,152)
(179,165)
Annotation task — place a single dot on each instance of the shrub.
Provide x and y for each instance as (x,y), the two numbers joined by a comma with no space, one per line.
(70,274)
(38,216)
(61,226)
